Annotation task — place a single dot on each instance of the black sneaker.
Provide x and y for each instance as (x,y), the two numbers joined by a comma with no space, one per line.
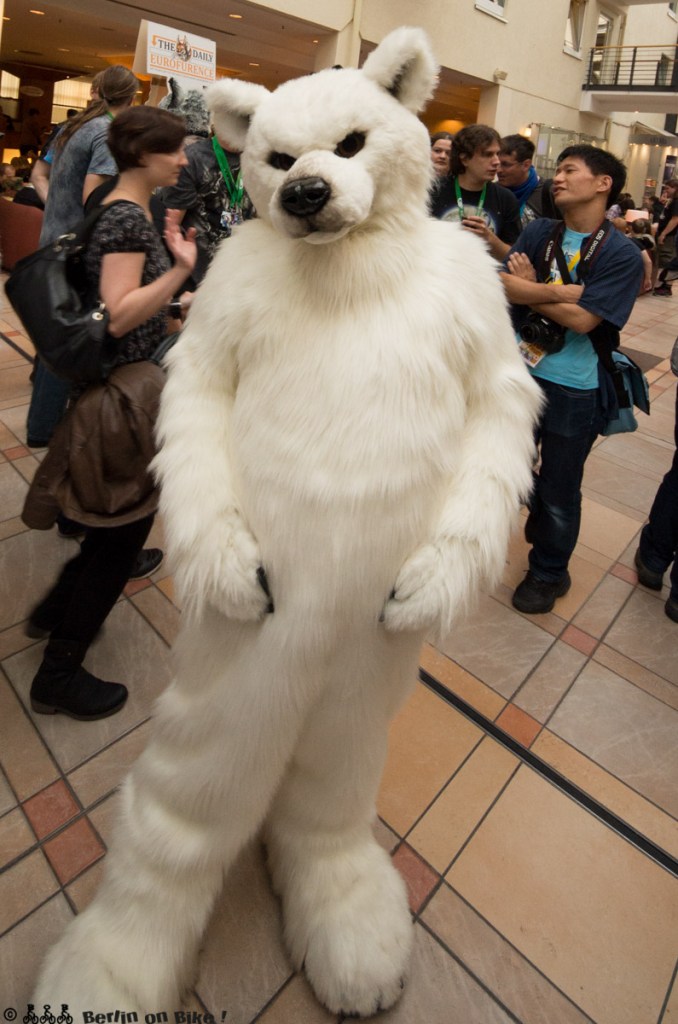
(663,289)
(534,596)
(648,577)
(146,564)
(671,608)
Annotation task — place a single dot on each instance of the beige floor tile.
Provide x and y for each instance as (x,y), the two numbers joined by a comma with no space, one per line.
(639,452)
(588,910)
(428,740)
(446,826)
(243,964)
(159,611)
(498,646)
(638,674)
(105,771)
(602,476)
(646,635)
(466,686)
(22,950)
(130,651)
(552,677)
(609,791)
(29,564)
(13,490)
(23,886)
(25,761)
(602,606)
(297,1004)
(671,1012)
(8,527)
(586,576)
(15,836)
(7,798)
(500,967)
(625,730)
(14,384)
(440,991)
(605,530)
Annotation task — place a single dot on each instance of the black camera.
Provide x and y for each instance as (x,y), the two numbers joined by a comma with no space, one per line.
(539,330)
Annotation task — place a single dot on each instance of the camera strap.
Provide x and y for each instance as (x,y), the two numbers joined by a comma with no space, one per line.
(605,336)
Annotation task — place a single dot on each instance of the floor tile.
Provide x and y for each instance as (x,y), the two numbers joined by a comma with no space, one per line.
(16,837)
(428,741)
(551,678)
(142,662)
(638,674)
(13,490)
(23,886)
(105,771)
(7,798)
(244,963)
(496,647)
(604,604)
(440,990)
(297,1003)
(628,805)
(497,964)
(583,906)
(449,822)
(518,724)
(159,611)
(73,850)
(605,530)
(22,950)
(420,878)
(456,679)
(581,641)
(25,760)
(645,634)
(625,730)
(29,564)
(50,809)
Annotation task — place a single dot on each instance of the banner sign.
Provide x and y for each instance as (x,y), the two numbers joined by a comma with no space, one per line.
(171,53)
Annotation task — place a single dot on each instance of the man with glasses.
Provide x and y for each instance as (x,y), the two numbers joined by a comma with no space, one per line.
(517,173)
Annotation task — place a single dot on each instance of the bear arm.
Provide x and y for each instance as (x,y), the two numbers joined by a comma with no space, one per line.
(468,549)
(214,556)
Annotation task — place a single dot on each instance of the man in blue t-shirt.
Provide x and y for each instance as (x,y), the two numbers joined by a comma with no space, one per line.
(586,182)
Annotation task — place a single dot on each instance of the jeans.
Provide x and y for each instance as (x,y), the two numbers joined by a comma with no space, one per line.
(91,583)
(659,537)
(48,405)
(570,423)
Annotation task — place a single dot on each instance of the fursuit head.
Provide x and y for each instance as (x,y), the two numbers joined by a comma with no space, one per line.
(344,442)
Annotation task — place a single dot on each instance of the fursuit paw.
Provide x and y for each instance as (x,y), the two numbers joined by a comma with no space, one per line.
(225,571)
(432,587)
(355,941)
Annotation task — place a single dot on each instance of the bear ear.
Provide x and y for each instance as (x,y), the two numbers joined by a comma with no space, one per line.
(404,65)
(231,104)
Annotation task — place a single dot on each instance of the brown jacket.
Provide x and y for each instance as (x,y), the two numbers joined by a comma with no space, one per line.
(96,468)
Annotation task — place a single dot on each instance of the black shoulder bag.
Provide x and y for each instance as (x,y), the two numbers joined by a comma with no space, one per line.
(61,311)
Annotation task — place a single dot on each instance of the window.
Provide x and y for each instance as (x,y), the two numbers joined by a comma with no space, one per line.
(673,7)
(495,7)
(575,25)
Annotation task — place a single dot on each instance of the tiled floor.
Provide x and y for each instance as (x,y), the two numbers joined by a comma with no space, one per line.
(527,907)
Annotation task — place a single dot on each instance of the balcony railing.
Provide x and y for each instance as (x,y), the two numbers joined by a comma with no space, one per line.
(633,68)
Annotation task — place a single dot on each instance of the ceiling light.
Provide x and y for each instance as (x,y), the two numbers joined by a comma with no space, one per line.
(254,65)
(238,17)
(62,49)
(36,12)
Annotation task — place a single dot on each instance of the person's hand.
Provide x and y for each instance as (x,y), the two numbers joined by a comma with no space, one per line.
(478,227)
(182,246)
(519,265)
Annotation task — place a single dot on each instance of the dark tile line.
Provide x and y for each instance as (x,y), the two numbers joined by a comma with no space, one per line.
(17,348)
(583,799)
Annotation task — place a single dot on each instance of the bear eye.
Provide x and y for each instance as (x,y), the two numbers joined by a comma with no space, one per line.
(351,145)
(281,161)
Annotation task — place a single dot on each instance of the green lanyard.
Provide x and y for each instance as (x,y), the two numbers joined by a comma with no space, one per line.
(235,188)
(460,201)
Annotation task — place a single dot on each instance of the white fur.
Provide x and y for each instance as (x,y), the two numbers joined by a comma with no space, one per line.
(353,416)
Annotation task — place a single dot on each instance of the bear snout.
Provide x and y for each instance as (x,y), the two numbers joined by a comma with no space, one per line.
(305,196)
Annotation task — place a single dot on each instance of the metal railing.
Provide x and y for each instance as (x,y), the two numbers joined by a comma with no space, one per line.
(646,68)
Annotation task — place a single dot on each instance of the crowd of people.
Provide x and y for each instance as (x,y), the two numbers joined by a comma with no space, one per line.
(173,192)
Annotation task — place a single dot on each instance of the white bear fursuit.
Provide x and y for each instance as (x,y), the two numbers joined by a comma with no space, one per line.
(346,410)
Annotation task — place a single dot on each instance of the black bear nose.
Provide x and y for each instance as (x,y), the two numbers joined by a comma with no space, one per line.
(305,196)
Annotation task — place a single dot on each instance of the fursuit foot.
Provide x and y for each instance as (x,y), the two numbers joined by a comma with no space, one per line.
(349,926)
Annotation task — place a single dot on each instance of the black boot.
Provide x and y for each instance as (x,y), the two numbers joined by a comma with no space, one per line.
(62,684)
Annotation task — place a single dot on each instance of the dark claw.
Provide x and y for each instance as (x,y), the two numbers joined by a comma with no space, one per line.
(262,580)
